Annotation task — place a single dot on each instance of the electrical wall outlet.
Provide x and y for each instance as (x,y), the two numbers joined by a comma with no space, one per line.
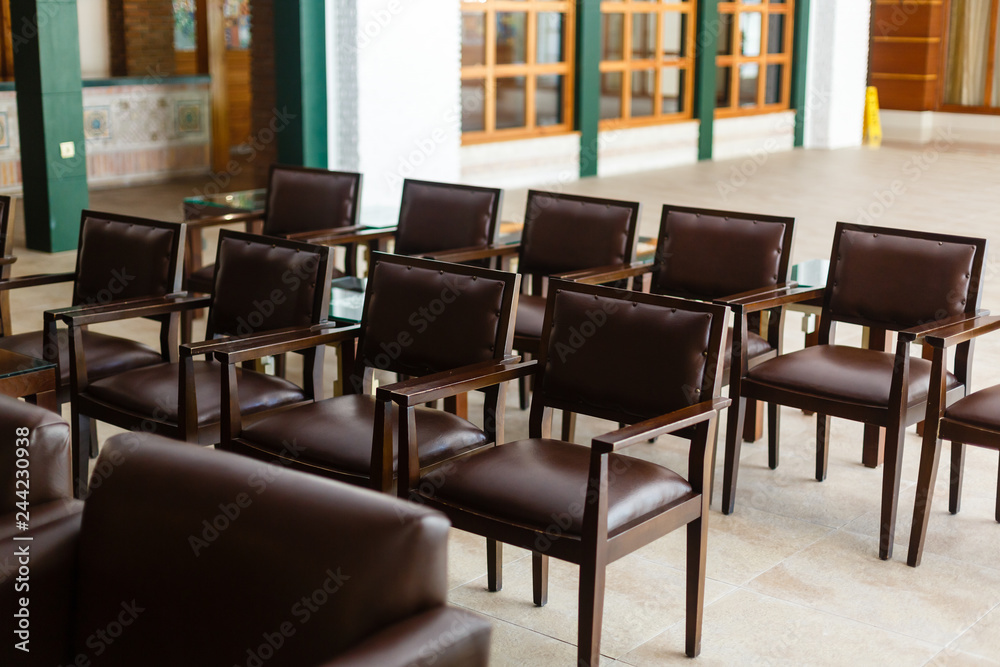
(67,150)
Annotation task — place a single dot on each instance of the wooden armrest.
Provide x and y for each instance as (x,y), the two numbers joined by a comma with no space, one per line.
(36,280)
(76,316)
(661,425)
(965,330)
(345,235)
(758,293)
(471,254)
(456,381)
(607,274)
(237,349)
(7,261)
(773,297)
(227,219)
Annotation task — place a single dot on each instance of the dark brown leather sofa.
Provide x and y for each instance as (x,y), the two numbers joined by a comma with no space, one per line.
(187,556)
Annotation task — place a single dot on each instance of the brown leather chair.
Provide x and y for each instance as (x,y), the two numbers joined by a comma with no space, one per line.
(352,577)
(261,285)
(425,319)
(433,218)
(35,464)
(887,280)
(973,420)
(301,203)
(650,361)
(726,257)
(120,259)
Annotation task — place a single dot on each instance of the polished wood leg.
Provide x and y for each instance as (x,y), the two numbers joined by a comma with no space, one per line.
(957,477)
(568,426)
(890,489)
(697,554)
(592,577)
(539,578)
(734,428)
(753,424)
(930,455)
(822,446)
(494,565)
(873,451)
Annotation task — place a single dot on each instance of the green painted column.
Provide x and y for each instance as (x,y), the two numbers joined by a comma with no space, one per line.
(300,72)
(46,46)
(588,82)
(800,47)
(706,47)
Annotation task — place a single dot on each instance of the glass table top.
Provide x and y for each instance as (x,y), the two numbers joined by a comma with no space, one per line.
(12,364)
(245,200)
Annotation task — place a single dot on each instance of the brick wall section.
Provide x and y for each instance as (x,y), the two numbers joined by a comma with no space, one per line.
(142,37)
(262,84)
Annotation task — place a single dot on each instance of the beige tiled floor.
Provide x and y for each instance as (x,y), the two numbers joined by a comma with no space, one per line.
(793,573)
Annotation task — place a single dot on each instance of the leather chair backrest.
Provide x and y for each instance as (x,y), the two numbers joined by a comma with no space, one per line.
(300,199)
(567,233)
(47,454)
(707,255)
(625,356)
(207,556)
(121,257)
(423,316)
(443,216)
(263,284)
(896,279)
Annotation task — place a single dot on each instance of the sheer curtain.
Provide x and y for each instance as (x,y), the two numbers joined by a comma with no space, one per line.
(968,44)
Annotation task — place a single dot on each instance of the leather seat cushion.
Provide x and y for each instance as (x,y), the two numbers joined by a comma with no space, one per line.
(152,391)
(337,433)
(980,408)
(756,346)
(106,355)
(202,279)
(530,315)
(542,484)
(844,373)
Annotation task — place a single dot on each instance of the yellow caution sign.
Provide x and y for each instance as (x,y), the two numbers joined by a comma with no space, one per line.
(872,126)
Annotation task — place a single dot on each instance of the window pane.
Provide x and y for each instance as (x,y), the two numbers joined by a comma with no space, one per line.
(550,37)
(750,25)
(184,27)
(612,37)
(723,83)
(473,105)
(671,90)
(774,83)
(549,100)
(510,102)
(968,41)
(749,74)
(673,34)
(473,39)
(643,90)
(776,33)
(512,30)
(611,95)
(725,40)
(643,36)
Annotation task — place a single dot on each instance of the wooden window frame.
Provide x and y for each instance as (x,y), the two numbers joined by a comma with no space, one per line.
(684,63)
(490,71)
(991,57)
(765,8)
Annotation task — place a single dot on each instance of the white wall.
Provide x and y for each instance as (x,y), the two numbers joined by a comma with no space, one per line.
(837,73)
(408,95)
(95,49)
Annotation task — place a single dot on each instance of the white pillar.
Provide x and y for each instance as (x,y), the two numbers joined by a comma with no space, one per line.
(837,72)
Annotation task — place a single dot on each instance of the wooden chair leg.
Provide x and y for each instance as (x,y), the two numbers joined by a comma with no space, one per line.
(997,515)
(494,565)
(957,476)
(753,423)
(568,426)
(873,452)
(822,446)
(187,325)
(930,454)
(522,392)
(890,488)
(80,433)
(697,553)
(95,446)
(592,576)
(280,365)
(540,578)
(773,424)
(734,431)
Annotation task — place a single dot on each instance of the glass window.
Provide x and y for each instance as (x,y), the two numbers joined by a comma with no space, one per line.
(753,58)
(184,35)
(646,58)
(516,68)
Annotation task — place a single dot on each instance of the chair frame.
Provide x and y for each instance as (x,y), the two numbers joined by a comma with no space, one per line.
(380,476)
(86,408)
(751,320)
(593,550)
(896,416)
(938,427)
